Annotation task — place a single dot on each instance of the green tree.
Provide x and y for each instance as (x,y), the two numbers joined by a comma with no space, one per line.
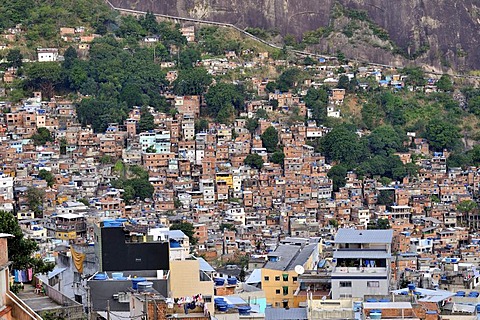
(187,228)
(254,161)
(222,95)
(192,82)
(45,76)
(201,125)
(277,157)
(289,79)
(442,135)
(20,249)
(270,139)
(415,76)
(445,83)
(70,57)
(317,100)
(47,176)
(42,136)
(385,140)
(466,208)
(338,175)
(381,224)
(188,58)
(226,115)
(63,146)
(14,58)
(343,82)
(35,198)
(147,121)
(251,125)
(343,144)
(386,197)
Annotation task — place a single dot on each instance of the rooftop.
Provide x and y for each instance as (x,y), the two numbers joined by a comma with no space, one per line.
(363,236)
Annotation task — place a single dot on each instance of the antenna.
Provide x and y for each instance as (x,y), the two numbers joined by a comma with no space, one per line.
(299,269)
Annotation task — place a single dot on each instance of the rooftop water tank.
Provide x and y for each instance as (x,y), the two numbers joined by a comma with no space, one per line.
(144,286)
(232,281)
(100,276)
(116,275)
(219,281)
(136,281)
(244,310)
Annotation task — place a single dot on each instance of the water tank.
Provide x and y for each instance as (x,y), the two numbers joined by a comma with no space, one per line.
(244,310)
(411,286)
(232,281)
(219,281)
(222,306)
(218,300)
(375,314)
(144,286)
(116,275)
(100,276)
(174,244)
(136,281)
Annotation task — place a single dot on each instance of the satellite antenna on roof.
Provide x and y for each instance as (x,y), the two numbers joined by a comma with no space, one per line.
(299,269)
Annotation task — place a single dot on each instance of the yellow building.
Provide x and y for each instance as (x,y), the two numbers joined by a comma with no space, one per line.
(279,277)
(225,176)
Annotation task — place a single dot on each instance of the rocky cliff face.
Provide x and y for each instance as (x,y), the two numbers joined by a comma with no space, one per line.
(447,31)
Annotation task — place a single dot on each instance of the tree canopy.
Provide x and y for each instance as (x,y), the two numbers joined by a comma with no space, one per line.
(270,139)
(21,249)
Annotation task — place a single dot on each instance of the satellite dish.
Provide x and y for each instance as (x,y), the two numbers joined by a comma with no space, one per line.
(299,269)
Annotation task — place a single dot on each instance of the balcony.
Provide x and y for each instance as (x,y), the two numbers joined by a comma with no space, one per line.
(340,272)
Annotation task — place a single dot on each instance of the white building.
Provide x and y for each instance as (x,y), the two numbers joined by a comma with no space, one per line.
(47,54)
(207,188)
(236,215)
(363,263)
(158,140)
(6,193)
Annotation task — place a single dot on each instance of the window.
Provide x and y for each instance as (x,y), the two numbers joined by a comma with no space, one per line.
(277,278)
(294,279)
(266,278)
(285,277)
(345,284)
(277,291)
(285,290)
(373,284)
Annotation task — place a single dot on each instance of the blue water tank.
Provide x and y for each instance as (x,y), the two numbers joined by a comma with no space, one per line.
(244,310)
(219,281)
(218,300)
(100,276)
(116,275)
(222,306)
(136,281)
(411,286)
(372,300)
(174,244)
(232,281)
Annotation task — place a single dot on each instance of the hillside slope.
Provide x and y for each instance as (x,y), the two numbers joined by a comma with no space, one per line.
(441,33)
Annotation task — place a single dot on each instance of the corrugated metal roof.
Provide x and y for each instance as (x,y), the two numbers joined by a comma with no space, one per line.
(367,254)
(286,314)
(363,236)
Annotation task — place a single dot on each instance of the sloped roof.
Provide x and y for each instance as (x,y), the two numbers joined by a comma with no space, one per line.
(363,236)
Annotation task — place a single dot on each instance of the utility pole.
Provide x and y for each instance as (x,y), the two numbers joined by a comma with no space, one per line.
(108,309)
